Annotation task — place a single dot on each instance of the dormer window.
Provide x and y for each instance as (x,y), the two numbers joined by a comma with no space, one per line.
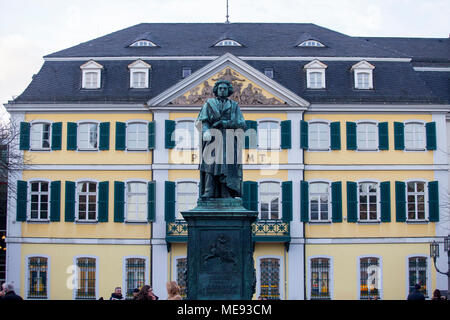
(311,43)
(143,43)
(91,75)
(363,75)
(228,43)
(139,74)
(315,74)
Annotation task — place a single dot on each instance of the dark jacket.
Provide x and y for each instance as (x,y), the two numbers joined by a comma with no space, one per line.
(11,295)
(115,296)
(416,295)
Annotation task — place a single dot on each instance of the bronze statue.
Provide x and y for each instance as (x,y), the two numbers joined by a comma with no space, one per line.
(221,124)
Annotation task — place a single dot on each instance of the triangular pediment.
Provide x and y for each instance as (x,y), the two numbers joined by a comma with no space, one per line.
(251,87)
(91,64)
(315,64)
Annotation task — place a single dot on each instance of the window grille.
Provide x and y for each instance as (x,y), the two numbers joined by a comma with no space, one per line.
(369,286)
(86,278)
(182,276)
(37,282)
(320,278)
(270,278)
(135,275)
(418,274)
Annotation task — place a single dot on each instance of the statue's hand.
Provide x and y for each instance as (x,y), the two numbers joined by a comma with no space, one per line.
(220,124)
(207,136)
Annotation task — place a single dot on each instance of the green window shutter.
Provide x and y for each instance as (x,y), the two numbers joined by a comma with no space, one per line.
(352,201)
(285,134)
(431,135)
(351,135)
(71,136)
(399,136)
(304,201)
(151,201)
(335,136)
(70,202)
(119,201)
(433,201)
(121,129)
(169,209)
(151,135)
(286,200)
(400,201)
(336,201)
(24,143)
(383,136)
(250,195)
(385,203)
(103,201)
(55,201)
(104,136)
(303,134)
(22,195)
(169,129)
(251,137)
(56,135)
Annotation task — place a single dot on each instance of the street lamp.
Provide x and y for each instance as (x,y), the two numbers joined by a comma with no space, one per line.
(434,253)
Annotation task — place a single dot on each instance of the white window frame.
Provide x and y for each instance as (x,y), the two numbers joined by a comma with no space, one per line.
(41,122)
(280,211)
(363,67)
(178,215)
(29,182)
(196,135)
(425,193)
(132,122)
(228,43)
(319,220)
(124,271)
(318,122)
(94,67)
(378,202)
(416,148)
(428,270)
(377,142)
(282,286)
(27,275)
(136,67)
(77,201)
(87,122)
(330,275)
(380,275)
(75,272)
(312,67)
(278,123)
(311,43)
(143,43)
(145,182)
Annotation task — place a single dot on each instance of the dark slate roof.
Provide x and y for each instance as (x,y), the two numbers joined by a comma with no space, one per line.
(60,81)
(394,81)
(196,39)
(419,49)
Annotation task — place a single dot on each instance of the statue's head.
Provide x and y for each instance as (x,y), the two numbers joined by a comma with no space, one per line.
(223,89)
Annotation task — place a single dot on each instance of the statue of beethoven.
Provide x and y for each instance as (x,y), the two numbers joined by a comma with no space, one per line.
(222,126)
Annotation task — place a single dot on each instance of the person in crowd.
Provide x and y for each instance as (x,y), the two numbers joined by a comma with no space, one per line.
(8,292)
(135,293)
(146,293)
(173,291)
(117,294)
(416,294)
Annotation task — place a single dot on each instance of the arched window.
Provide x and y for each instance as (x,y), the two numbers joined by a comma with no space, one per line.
(40,136)
(182,275)
(270,278)
(319,201)
(87,201)
(137,136)
(39,200)
(87,278)
(415,197)
(318,136)
(186,135)
(269,135)
(135,275)
(136,202)
(368,201)
(320,279)
(37,278)
(417,274)
(367,136)
(370,278)
(187,196)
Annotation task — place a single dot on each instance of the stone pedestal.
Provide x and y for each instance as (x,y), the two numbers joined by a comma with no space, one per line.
(220,251)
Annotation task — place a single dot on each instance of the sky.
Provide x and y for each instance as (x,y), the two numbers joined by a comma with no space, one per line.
(31,29)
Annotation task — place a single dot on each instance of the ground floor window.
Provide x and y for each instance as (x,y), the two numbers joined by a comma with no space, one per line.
(320,278)
(417,271)
(86,278)
(37,278)
(135,275)
(270,278)
(369,269)
(182,276)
